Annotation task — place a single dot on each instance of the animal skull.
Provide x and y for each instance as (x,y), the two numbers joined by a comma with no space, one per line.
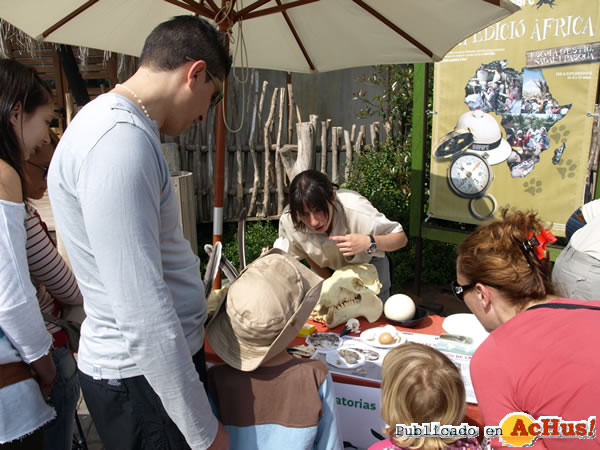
(349,293)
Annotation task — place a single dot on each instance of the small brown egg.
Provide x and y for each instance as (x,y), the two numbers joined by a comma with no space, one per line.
(385,338)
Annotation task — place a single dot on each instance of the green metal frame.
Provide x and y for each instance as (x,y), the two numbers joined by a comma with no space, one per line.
(419,130)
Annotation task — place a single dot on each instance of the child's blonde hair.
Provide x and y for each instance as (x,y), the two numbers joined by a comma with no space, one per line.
(420,385)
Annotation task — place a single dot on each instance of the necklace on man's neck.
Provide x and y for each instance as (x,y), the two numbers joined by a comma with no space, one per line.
(139,100)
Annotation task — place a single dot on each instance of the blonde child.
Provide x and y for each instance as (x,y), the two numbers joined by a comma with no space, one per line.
(421,385)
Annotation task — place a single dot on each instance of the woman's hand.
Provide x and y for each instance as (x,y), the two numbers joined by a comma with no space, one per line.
(352,244)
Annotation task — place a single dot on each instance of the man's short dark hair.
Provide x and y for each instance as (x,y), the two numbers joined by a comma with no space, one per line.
(183,38)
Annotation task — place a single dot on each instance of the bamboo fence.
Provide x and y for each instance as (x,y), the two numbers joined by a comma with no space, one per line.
(267,118)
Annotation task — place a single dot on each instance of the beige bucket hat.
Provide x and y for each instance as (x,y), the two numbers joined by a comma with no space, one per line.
(263,311)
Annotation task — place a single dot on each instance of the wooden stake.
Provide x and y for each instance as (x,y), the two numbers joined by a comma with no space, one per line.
(306,147)
(290,115)
(278,169)
(348,162)
(359,140)
(287,159)
(335,177)
(239,185)
(325,124)
(257,112)
(268,128)
(374,134)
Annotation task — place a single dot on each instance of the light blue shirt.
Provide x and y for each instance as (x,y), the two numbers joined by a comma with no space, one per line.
(117,213)
(324,436)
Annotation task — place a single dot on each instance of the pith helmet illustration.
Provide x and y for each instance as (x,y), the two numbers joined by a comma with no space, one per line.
(476,131)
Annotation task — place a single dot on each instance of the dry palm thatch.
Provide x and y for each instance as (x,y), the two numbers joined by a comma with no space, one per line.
(26,45)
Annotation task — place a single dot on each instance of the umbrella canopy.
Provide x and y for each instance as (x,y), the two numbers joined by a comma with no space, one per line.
(291,35)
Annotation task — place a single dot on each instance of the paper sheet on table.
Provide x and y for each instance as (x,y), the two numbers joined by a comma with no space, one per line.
(371,370)
(458,353)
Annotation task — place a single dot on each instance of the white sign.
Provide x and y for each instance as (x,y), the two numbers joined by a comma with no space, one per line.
(359,412)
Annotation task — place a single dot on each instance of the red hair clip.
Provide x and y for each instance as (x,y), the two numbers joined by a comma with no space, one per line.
(538,243)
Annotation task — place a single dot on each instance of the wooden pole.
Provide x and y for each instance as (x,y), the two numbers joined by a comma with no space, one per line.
(219,182)
(268,128)
(335,177)
(348,162)
(374,134)
(287,159)
(359,140)
(290,114)
(325,124)
(278,168)
(256,119)
(306,147)
(239,185)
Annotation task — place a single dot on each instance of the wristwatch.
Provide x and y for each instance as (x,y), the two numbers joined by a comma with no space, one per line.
(373,247)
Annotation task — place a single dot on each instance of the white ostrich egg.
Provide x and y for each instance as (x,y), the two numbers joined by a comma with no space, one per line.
(399,307)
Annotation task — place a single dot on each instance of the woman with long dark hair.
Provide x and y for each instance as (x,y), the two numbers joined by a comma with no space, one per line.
(27,372)
(541,357)
(56,287)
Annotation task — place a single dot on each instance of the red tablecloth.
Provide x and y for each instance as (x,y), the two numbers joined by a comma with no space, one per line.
(429,325)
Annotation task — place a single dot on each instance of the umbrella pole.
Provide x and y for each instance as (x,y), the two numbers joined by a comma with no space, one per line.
(219,180)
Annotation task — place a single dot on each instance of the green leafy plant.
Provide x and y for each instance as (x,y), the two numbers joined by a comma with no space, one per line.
(392,100)
(382,174)
(259,234)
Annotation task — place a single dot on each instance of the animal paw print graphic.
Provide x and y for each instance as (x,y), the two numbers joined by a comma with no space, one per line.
(533,186)
(559,134)
(566,169)
(558,153)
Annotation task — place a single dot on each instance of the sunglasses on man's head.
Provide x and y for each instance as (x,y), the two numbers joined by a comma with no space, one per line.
(459,290)
(44,169)
(218,95)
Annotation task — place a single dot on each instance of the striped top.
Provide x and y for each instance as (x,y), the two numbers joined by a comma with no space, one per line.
(50,274)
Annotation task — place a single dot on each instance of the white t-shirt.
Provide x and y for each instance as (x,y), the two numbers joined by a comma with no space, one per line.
(23,335)
(116,210)
(587,238)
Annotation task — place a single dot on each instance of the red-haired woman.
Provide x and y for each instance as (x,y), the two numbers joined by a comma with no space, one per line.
(541,357)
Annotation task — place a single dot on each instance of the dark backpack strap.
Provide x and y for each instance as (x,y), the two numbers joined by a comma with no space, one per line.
(563,306)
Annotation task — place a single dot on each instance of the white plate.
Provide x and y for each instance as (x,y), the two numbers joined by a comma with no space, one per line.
(324,341)
(371,337)
(367,353)
(335,359)
(465,325)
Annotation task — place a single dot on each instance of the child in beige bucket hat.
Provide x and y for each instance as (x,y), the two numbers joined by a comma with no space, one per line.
(264,397)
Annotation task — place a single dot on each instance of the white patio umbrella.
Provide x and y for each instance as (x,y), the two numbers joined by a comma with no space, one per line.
(290,35)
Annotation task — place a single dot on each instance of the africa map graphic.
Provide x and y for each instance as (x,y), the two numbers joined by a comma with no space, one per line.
(528,110)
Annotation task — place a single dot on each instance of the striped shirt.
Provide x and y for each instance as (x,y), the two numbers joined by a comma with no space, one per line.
(50,274)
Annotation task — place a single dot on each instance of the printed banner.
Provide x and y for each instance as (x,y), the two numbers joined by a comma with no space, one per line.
(511,128)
